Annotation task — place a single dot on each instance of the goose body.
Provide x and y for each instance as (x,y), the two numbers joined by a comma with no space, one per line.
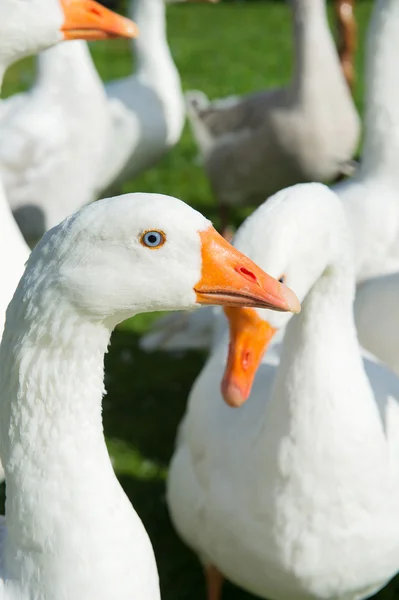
(147,108)
(295,494)
(86,275)
(306,131)
(53,140)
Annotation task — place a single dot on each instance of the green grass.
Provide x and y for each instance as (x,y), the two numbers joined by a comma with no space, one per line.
(224,49)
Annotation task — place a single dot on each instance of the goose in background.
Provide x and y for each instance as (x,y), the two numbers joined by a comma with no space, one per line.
(97,268)
(371,201)
(147,107)
(34,27)
(53,140)
(307,131)
(296,494)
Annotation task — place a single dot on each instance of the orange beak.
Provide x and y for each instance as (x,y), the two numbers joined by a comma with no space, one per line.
(232,279)
(249,339)
(89,20)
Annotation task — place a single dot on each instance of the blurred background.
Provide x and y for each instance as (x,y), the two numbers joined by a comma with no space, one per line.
(234,47)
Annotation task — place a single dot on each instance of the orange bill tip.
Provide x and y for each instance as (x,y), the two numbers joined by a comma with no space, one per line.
(249,338)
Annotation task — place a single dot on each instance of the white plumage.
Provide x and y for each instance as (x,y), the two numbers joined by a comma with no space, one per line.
(53,140)
(295,495)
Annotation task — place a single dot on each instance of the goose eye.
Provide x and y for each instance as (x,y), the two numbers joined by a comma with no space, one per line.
(282,279)
(153,239)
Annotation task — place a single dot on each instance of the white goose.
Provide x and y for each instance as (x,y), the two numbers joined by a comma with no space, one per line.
(295,495)
(98,267)
(148,108)
(25,29)
(53,139)
(255,145)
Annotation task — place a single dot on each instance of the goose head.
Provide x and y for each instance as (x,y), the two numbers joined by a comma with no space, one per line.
(29,26)
(297,236)
(144,252)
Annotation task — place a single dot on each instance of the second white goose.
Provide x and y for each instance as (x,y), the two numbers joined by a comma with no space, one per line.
(296,494)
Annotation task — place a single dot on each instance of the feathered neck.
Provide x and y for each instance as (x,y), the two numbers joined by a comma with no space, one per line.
(63,499)
(151,47)
(67,66)
(314,50)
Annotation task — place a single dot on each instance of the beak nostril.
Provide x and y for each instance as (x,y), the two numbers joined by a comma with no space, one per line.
(95,11)
(247,274)
(246,359)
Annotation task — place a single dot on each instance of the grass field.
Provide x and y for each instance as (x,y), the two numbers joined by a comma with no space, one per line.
(225,49)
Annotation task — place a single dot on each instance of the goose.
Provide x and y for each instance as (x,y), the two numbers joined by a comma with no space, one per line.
(26,28)
(112,259)
(371,202)
(295,494)
(307,131)
(147,107)
(53,139)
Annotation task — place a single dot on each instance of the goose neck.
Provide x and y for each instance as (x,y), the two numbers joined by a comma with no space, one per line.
(314,48)
(320,341)
(151,46)
(60,481)
(66,65)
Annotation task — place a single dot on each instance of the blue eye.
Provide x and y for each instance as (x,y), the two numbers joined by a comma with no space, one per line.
(153,239)
(282,279)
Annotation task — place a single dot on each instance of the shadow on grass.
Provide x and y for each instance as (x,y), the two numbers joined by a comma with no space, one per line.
(146,395)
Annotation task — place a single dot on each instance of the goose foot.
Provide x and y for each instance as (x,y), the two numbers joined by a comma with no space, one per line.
(347,33)
(214,583)
(225,229)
